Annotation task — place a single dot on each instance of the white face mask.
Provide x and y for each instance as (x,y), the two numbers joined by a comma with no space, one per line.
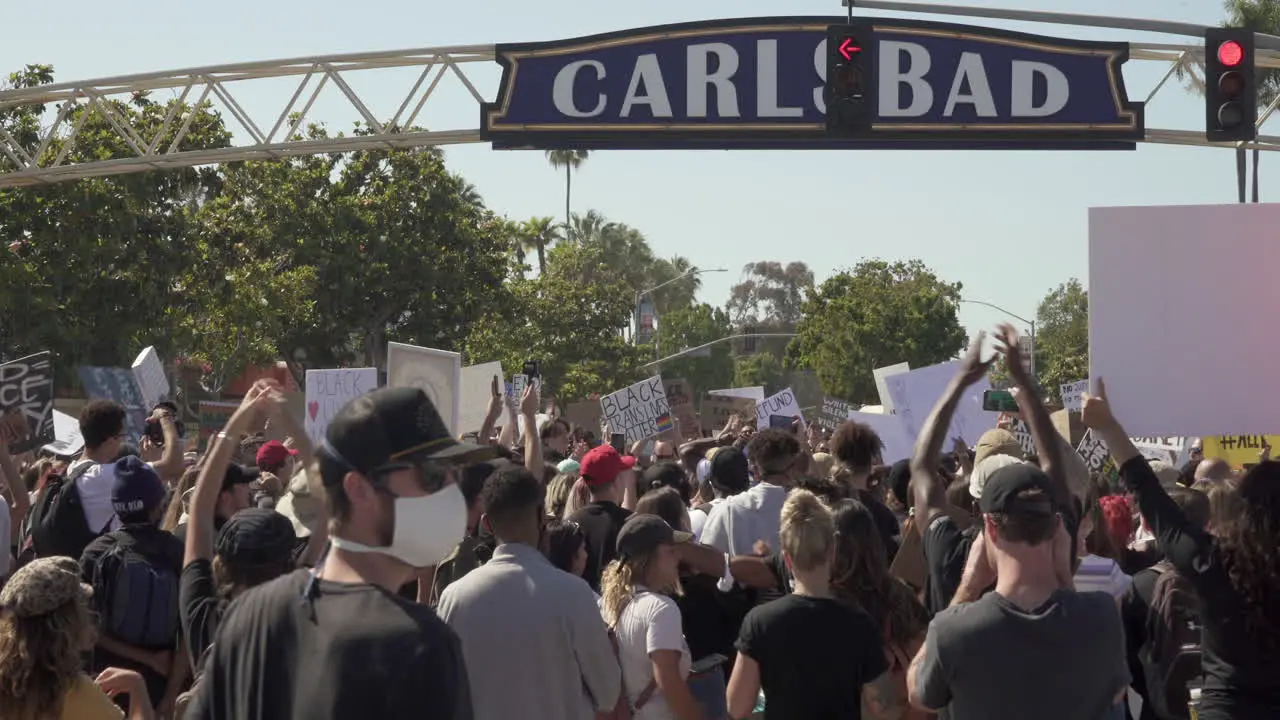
(426,529)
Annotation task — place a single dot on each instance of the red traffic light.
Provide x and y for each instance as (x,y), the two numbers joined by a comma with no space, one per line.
(1230,53)
(849,47)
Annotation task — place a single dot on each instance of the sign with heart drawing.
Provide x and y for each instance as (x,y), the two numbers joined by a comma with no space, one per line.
(329,390)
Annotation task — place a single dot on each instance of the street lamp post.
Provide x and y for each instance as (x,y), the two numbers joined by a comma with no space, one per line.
(635,335)
(1031,323)
(704,346)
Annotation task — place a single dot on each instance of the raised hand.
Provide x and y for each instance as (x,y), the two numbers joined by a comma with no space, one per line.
(1011,348)
(529,402)
(972,367)
(1095,411)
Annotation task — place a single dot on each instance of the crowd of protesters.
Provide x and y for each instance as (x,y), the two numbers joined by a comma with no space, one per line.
(393,571)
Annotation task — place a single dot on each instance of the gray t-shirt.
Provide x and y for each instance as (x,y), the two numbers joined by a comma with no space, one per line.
(991,660)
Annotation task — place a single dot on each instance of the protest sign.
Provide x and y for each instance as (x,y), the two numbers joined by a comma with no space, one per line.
(1239,450)
(1097,458)
(1073,395)
(474,394)
(213,417)
(915,393)
(438,373)
(834,411)
(1022,432)
(67,440)
(718,409)
(639,412)
(754,393)
(518,385)
(118,384)
(681,403)
(328,390)
(1164,449)
(782,403)
(897,446)
(148,371)
(26,402)
(586,415)
(880,375)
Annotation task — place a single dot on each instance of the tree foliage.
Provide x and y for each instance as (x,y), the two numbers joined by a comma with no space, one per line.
(688,328)
(1062,338)
(876,314)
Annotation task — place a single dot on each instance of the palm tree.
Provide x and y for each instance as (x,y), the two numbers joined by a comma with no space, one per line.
(1260,16)
(589,228)
(570,160)
(538,234)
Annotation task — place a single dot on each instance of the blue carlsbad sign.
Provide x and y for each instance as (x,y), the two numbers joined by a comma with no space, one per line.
(759,83)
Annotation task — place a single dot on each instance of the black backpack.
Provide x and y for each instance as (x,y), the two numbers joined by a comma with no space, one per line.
(136,596)
(1171,655)
(57,523)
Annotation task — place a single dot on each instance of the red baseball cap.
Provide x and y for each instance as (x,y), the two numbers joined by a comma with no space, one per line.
(273,453)
(603,464)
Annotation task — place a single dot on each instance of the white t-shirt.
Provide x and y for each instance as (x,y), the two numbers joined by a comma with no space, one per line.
(735,525)
(95,495)
(698,518)
(649,622)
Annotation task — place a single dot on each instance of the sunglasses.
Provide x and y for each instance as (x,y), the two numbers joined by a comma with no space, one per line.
(430,476)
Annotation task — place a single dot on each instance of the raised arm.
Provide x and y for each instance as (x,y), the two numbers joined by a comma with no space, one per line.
(1048,448)
(929,491)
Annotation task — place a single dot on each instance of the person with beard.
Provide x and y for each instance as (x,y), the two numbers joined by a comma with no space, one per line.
(337,641)
(563,666)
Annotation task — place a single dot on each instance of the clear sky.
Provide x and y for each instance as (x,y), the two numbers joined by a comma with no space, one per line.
(1009,225)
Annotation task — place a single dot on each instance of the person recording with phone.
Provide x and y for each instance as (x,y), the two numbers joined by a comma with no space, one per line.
(161,445)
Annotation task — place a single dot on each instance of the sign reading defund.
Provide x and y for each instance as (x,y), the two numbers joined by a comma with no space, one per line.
(639,412)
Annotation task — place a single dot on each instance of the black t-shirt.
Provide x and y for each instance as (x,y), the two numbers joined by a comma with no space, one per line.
(347,651)
(198,608)
(946,547)
(161,549)
(815,654)
(600,522)
(886,522)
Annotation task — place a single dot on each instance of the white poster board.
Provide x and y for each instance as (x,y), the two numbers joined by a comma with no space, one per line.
(1164,279)
(781,403)
(1073,395)
(880,374)
(915,393)
(474,393)
(149,372)
(639,412)
(897,445)
(754,394)
(329,390)
(67,438)
(438,373)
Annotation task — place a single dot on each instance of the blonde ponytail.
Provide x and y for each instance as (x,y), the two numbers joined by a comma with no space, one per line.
(808,530)
(616,590)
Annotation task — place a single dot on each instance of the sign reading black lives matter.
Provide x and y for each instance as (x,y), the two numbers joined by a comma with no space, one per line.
(26,402)
(639,412)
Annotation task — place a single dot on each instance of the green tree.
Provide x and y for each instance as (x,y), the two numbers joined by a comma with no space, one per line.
(763,369)
(1062,338)
(570,160)
(536,235)
(399,248)
(876,314)
(679,285)
(94,266)
(689,328)
(1260,16)
(572,327)
(769,299)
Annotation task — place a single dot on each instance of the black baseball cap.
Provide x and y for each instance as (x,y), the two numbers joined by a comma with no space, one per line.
(391,426)
(642,534)
(239,475)
(1000,493)
(729,469)
(256,536)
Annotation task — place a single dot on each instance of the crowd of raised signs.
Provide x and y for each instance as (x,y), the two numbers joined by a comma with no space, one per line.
(376,564)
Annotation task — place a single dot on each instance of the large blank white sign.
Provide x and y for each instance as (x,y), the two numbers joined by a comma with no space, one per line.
(1179,301)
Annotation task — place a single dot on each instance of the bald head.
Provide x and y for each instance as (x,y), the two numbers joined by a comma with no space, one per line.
(1213,469)
(663,452)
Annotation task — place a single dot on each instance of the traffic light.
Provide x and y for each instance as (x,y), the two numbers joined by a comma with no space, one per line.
(1230,90)
(848,89)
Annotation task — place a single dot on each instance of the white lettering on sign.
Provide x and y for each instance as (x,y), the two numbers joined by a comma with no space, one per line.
(820,64)
(971,73)
(562,89)
(893,76)
(701,79)
(767,102)
(647,75)
(1024,77)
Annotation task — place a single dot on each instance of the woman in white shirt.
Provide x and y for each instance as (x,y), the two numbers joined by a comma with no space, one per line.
(636,605)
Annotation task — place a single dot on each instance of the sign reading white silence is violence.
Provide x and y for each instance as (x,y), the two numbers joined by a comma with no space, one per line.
(639,412)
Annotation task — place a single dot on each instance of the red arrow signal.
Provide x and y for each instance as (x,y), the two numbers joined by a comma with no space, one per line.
(849,48)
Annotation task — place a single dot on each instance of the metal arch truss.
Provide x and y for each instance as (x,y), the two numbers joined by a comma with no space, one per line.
(254,140)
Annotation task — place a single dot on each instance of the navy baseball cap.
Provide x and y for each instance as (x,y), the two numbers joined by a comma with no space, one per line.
(136,491)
